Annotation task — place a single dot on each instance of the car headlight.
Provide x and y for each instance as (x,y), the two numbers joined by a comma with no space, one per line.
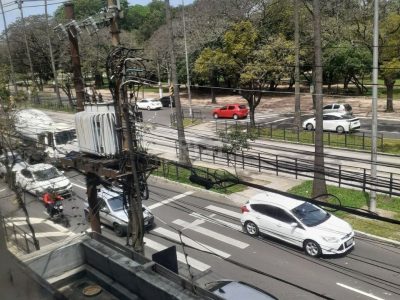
(330,239)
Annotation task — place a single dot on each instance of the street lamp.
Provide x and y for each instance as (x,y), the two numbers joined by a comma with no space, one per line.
(187,60)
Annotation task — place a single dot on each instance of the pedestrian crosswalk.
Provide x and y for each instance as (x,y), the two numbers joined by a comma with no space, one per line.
(209,229)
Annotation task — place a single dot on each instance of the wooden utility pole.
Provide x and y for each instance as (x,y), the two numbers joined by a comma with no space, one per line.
(319,183)
(76,61)
(183,147)
(114,23)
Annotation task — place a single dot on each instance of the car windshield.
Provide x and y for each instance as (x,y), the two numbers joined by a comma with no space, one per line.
(116,203)
(47,174)
(65,137)
(310,214)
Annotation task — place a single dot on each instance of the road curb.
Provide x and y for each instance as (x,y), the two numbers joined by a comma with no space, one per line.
(386,240)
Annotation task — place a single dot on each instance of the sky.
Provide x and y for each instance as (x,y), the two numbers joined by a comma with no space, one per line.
(12,12)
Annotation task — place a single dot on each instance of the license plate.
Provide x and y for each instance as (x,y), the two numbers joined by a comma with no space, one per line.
(349,243)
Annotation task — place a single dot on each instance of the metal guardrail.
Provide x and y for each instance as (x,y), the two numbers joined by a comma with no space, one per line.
(15,235)
(342,175)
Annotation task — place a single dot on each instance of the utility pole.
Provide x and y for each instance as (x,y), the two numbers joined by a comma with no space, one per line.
(19,2)
(374,157)
(160,91)
(8,48)
(76,61)
(297,108)
(114,23)
(183,147)
(187,61)
(53,66)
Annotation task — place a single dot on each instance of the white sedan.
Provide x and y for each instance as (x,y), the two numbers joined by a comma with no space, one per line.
(149,104)
(335,122)
(39,178)
(297,222)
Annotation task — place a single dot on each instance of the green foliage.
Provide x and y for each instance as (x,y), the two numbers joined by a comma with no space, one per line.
(236,139)
(4,79)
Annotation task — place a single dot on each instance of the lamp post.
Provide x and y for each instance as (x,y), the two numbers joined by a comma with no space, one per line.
(187,60)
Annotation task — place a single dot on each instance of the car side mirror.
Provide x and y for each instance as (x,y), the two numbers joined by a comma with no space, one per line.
(293,224)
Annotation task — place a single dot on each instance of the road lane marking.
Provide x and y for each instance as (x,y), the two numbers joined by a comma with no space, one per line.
(79,186)
(194,224)
(192,261)
(166,201)
(190,242)
(212,234)
(213,220)
(2,190)
(224,211)
(359,291)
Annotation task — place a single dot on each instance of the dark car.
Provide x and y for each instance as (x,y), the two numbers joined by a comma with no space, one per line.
(166,101)
(238,290)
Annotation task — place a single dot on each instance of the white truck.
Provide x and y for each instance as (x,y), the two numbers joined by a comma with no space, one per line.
(41,138)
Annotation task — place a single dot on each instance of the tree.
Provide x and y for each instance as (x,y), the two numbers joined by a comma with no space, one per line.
(346,63)
(319,183)
(390,55)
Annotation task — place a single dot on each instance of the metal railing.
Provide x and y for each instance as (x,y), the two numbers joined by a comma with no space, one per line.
(292,133)
(340,174)
(17,236)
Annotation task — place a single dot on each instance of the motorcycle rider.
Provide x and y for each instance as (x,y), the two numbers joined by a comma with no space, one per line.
(49,199)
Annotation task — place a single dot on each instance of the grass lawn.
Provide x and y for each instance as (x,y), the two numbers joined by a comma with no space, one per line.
(386,206)
(179,174)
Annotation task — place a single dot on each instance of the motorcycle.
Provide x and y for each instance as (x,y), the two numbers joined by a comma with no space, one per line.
(54,206)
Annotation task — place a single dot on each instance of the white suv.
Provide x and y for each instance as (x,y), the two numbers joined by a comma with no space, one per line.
(297,222)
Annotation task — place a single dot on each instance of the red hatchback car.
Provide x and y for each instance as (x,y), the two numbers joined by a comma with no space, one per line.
(234,111)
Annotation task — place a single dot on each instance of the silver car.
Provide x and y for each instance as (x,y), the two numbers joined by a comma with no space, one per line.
(112,211)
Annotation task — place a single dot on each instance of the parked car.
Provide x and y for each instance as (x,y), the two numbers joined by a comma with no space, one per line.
(166,101)
(238,290)
(14,159)
(149,104)
(335,122)
(234,111)
(113,214)
(297,222)
(343,108)
(40,178)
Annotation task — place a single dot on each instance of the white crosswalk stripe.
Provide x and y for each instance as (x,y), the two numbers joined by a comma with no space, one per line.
(217,221)
(194,263)
(188,241)
(224,211)
(215,235)
(166,201)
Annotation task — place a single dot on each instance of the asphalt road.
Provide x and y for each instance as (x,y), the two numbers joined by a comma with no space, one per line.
(217,247)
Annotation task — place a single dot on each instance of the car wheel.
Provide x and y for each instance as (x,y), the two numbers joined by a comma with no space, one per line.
(235,117)
(312,248)
(119,231)
(310,126)
(251,228)
(215,116)
(148,107)
(340,129)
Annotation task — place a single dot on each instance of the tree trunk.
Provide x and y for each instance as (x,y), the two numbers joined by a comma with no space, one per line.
(389,91)
(297,109)
(213,98)
(319,183)
(252,119)
(98,80)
